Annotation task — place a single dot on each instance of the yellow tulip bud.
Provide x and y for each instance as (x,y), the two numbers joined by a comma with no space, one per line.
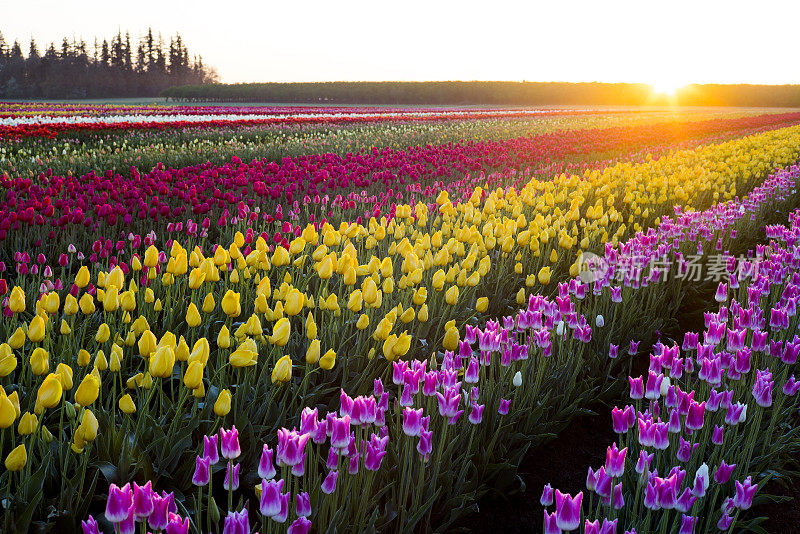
(126,404)
(7,412)
(8,360)
(282,372)
(86,304)
(17,339)
(147,344)
(222,406)
(482,305)
(83,277)
(64,373)
(223,338)
(27,424)
(193,375)
(193,316)
(103,334)
(162,362)
(312,354)
(88,426)
(544,275)
(36,329)
(111,300)
(17,458)
(230,304)
(88,390)
(311,327)
(49,393)
(451,339)
(328,360)
(451,296)
(281,332)
(16,301)
(40,361)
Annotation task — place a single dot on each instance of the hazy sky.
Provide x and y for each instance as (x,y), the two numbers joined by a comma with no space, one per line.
(661,42)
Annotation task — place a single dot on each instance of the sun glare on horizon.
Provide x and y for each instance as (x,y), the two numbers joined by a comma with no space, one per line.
(666,87)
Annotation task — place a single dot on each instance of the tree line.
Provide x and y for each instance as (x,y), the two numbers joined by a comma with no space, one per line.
(122,67)
(490,93)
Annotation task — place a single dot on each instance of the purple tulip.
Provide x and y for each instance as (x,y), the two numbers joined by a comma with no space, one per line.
(291,445)
(340,428)
(329,484)
(160,516)
(236,522)
(142,499)
(375,451)
(687,524)
(266,467)
(301,525)
(744,494)
(176,525)
(550,524)
(210,449)
(723,472)
(506,404)
(229,444)
(202,472)
(412,421)
(547,495)
(231,477)
(90,526)
(120,501)
(615,461)
(568,510)
(609,527)
(270,503)
(476,415)
(302,505)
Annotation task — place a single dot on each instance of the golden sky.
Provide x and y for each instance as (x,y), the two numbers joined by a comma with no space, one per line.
(663,43)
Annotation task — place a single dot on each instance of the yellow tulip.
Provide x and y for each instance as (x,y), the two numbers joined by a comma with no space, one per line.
(64,328)
(88,390)
(147,344)
(8,361)
(103,334)
(126,404)
(49,393)
(388,347)
(86,304)
(17,458)
(16,301)
(544,275)
(451,296)
(84,357)
(311,327)
(312,354)
(7,412)
(294,302)
(64,373)
(208,303)
(40,361)
(193,375)
(451,339)
(83,277)
(17,339)
(200,351)
(222,406)
(193,316)
(71,305)
(88,426)
(280,332)
(482,304)
(162,362)
(151,256)
(282,372)
(328,360)
(27,424)
(224,338)
(111,300)
(230,304)
(36,329)
(363,321)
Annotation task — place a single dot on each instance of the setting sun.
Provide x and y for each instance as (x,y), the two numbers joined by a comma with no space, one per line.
(666,87)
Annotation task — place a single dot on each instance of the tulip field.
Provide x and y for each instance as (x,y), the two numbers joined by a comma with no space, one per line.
(317,319)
